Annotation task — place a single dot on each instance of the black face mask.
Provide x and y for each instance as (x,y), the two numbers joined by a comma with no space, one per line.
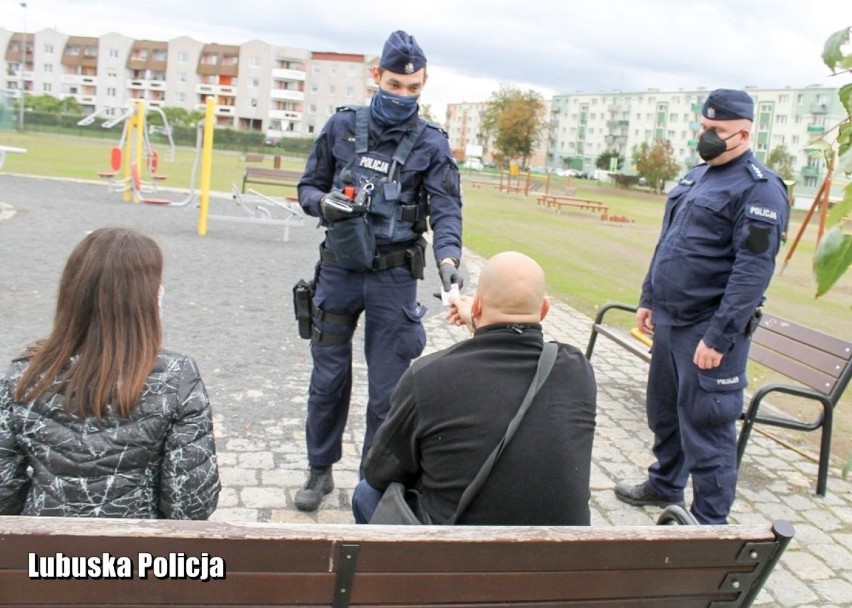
(710,145)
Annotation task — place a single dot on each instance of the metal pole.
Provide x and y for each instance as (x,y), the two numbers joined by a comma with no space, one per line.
(23,69)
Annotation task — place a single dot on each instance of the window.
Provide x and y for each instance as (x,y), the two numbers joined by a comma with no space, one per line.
(333,70)
(800,99)
(181,76)
(254,82)
(310,128)
(332,90)
(180,97)
(315,69)
(312,108)
(251,102)
(113,53)
(785,98)
(111,92)
(780,119)
(794,140)
(183,57)
(350,91)
(48,49)
(314,89)
(350,71)
(331,110)
(255,62)
(46,87)
(48,67)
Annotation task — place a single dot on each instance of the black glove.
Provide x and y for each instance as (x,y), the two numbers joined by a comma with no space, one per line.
(450,274)
(334,207)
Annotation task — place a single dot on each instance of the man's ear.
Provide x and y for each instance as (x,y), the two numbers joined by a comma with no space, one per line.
(374,72)
(545,307)
(476,306)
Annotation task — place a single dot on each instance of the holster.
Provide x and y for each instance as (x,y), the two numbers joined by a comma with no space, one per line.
(416,256)
(754,322)
(303,295)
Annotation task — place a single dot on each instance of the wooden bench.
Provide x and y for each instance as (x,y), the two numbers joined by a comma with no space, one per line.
(557,201)
(252,157)
(264,564)
(271,177)
(819,364)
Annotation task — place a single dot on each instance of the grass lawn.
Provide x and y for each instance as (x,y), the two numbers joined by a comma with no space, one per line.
(587,261)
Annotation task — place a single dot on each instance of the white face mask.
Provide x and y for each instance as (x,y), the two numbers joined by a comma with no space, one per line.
(160,295)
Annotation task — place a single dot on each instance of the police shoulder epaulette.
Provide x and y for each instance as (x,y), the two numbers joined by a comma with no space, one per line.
(756,172)
(345,108)
(436,126)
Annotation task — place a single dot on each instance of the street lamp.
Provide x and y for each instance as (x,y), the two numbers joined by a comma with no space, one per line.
(23,68)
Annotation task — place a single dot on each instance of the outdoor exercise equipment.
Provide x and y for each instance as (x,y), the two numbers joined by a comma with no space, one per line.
(9,150)
(134,149)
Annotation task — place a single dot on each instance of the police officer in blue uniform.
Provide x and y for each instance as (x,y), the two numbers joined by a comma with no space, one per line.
(375,176)
(701,298)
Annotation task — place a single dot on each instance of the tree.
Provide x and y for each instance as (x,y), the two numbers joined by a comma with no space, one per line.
(656,163)
(604,161)
(781,162)
(833,255)
(516,121)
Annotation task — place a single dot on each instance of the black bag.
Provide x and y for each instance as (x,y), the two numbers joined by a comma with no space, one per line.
(352,243)
(400,507)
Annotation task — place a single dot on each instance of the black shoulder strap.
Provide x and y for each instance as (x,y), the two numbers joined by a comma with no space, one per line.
(403,150)
(362,129)
(545,364)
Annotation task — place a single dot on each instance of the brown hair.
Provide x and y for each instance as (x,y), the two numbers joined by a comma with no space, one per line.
(106,331)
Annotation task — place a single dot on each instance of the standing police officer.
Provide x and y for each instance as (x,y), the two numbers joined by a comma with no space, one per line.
(716,254)
(373,177)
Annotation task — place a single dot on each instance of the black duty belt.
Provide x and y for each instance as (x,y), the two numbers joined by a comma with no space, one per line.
(396,256)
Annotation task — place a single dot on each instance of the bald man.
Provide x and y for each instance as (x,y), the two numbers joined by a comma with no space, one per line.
(451,409)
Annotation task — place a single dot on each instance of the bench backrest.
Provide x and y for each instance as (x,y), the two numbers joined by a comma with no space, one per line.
(346,565)
(810,357)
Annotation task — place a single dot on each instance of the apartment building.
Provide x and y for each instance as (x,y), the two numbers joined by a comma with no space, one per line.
(278,91)
(584,126)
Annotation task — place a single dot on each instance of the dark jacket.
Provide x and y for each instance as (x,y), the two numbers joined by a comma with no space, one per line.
(716,254)
(158,463)
(451,409)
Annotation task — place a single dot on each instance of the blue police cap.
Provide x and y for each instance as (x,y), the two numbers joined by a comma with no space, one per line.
(728,104)
(402,54)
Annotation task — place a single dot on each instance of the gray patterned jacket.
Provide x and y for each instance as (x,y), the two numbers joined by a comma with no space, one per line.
(158,463)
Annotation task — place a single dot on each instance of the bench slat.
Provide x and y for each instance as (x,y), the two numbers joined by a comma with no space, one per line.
(805,374)
(836,346)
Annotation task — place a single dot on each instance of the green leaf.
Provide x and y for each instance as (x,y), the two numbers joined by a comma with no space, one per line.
(832,258)
(843,208)
(832,54)
(845,96)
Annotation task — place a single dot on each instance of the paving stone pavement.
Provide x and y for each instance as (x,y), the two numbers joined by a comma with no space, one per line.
(228,303)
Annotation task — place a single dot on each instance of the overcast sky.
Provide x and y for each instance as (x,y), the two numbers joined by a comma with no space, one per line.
(475,46)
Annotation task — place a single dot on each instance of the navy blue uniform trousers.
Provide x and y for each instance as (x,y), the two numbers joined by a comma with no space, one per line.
(693,414)
(393,336)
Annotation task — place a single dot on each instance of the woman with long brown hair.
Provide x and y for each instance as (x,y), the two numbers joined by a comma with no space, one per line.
(97,420)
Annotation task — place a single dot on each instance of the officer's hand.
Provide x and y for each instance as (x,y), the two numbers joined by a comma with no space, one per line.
(334,207)
(450,274)
(644,321)
(706,357)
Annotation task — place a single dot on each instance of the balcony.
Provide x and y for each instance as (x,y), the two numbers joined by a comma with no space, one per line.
(285,115)
(78,79)
(286,95)
(286,74)
(819,108)
(696,107)
(809,171)
(623,123)
(615,108)
(216,89)
(816,129)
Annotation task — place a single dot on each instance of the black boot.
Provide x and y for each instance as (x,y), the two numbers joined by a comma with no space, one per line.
(319,483)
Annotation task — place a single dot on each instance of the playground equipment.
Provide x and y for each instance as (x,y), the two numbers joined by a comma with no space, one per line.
(258,209)
(9,150)
(134,150)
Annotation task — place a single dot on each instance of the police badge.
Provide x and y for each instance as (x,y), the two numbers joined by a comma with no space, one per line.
(711,112)
(409,68)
